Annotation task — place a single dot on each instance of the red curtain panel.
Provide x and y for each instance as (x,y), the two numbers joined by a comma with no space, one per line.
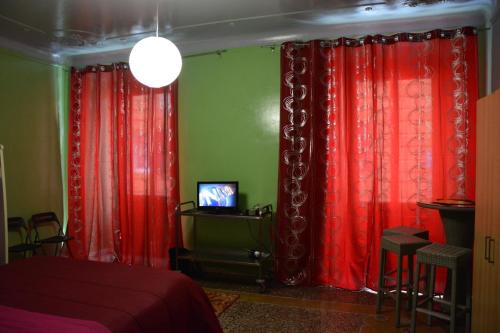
(368,127)
(123,167)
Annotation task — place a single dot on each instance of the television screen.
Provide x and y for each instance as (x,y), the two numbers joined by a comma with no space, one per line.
(217,195)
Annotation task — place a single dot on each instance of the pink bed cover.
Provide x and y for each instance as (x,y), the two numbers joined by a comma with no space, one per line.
(100,297)
(16,320)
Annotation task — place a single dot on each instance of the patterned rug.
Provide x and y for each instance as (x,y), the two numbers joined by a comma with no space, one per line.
(221,301)
(244,317)
(243,312)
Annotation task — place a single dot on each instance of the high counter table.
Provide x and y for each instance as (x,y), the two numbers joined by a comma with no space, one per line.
(458,222)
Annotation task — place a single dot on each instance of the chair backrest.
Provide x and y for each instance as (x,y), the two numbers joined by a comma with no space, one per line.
(43,219)
(18,225)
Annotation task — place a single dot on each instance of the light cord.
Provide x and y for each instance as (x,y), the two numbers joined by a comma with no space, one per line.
(157,25)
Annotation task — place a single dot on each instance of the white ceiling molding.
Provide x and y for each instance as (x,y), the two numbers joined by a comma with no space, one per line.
(81,32)
(31,52)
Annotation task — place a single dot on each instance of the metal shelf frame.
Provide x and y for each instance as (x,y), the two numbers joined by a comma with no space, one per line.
(188,208)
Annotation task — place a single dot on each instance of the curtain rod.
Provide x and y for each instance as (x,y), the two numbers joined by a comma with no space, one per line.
(218,52)
(303,44)
(272,47)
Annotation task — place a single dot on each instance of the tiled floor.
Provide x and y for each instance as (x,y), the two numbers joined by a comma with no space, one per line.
(308,309)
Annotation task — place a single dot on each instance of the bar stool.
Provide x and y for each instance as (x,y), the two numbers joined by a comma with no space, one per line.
(401,245)
(404,230)
(454,258)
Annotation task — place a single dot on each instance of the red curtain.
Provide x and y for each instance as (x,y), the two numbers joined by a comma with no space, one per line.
(369,127)
(123,167)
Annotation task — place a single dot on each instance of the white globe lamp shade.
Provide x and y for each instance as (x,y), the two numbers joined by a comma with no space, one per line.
(155,62)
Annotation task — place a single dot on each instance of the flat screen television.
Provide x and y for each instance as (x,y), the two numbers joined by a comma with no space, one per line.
(217,196)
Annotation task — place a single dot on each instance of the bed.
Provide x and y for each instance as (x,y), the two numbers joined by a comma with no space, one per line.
(101,297)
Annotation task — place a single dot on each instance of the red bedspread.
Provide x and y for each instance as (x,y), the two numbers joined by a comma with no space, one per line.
(120,297)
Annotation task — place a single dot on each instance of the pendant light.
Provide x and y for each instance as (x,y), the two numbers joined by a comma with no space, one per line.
(155,61)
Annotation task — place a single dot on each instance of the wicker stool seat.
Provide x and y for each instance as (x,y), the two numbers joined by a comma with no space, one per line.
(403,246)
(455,259)
(403,230)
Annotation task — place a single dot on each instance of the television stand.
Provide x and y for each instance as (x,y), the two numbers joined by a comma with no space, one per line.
(224,256)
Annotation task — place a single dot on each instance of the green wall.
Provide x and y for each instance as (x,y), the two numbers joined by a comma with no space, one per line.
(229,130)
(33,102)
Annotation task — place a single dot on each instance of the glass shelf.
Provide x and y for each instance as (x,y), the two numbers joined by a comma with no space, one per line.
(226,215)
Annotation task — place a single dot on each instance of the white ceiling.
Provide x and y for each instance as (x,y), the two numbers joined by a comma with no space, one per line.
(80,32)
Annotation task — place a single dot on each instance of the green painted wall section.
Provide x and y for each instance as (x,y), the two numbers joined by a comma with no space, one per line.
(229,130)
(33,104)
